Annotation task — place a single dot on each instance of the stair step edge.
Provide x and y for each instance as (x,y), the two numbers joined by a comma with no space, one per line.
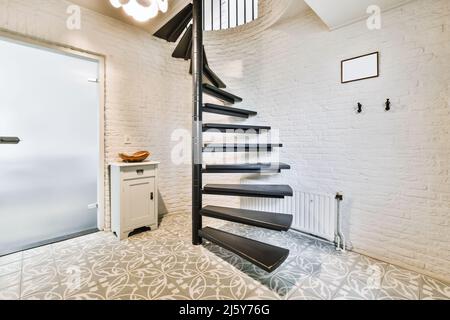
(265,256)
(267,220)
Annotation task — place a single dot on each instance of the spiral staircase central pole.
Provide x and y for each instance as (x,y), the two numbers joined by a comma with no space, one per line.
(197,146)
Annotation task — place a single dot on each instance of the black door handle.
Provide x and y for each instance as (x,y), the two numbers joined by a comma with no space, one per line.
(9,140)
(152,196)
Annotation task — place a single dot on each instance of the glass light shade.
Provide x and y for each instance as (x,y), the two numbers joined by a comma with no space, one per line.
(132,8)
(141,10)
(116,3)
(146,13)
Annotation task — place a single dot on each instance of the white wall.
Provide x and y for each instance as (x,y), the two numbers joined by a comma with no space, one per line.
(393,168)
(148,94)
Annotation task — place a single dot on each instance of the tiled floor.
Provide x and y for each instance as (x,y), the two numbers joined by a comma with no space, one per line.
(164,265)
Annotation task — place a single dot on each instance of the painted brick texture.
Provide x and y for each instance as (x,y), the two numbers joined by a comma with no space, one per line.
(393,168)
(148,94)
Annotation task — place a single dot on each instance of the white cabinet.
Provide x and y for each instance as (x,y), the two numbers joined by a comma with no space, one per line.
(134,197)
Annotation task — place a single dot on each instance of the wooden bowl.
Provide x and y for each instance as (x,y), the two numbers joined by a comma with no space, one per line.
(136,157)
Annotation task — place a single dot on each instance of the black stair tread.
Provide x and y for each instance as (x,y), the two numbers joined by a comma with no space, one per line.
(184,46)
(267,220)
(249,190)
(240,147)
(208,74)
(188,54)
(176,25)
(212,77)
(228,111)
(265,256)
(225,127)
(246,168)
(220,94)
(175,35)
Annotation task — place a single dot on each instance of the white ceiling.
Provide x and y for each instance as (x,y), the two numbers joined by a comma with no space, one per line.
(104,7)
(296,8)
(339,13)
(334,13)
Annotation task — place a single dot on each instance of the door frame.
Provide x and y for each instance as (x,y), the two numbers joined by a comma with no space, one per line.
(12,36)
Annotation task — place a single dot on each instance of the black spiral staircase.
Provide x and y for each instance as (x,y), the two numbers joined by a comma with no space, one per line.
(190,47)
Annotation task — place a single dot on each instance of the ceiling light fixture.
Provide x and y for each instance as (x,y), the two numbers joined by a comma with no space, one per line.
(141,10)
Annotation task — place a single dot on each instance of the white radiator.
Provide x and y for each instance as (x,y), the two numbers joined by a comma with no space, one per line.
(314,214)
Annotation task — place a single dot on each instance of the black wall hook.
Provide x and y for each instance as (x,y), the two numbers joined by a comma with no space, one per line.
(359,107)
(388,105)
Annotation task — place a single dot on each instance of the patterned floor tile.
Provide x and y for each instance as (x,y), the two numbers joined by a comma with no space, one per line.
(11,258)
(293,241)
(400,284)
(196,277)
(89,291)
(10,280)
(10,293)
(263,293)
(41,251)
(46,283)
(368,271)
(232,259)
(10,268)
(358,294)
(35,268)
(82,283)
(163,264)
(396,274)
(397,290)
(46,293)
(280,282)
(354,289)
(333,269)
(433,289)
(313,288)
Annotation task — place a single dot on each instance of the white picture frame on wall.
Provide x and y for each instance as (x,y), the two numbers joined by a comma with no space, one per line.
(360,68)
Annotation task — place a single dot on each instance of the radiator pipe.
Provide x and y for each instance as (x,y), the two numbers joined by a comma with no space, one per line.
(339,236)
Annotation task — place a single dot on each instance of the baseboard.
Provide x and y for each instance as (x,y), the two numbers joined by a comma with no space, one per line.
(404,266)
(47,242)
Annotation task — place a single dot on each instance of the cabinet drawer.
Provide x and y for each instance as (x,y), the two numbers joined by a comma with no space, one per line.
(138,172)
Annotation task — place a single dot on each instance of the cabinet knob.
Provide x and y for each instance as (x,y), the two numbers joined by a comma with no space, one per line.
(152,196)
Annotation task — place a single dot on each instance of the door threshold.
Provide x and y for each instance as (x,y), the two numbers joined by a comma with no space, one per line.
(48,242)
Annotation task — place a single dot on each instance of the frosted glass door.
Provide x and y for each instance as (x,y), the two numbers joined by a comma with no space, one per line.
(49,180)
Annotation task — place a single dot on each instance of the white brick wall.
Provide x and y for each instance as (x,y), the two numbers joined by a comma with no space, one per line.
(148,94)
(393,168)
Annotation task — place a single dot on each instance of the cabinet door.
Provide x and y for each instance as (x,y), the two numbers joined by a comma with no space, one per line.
(139,203)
